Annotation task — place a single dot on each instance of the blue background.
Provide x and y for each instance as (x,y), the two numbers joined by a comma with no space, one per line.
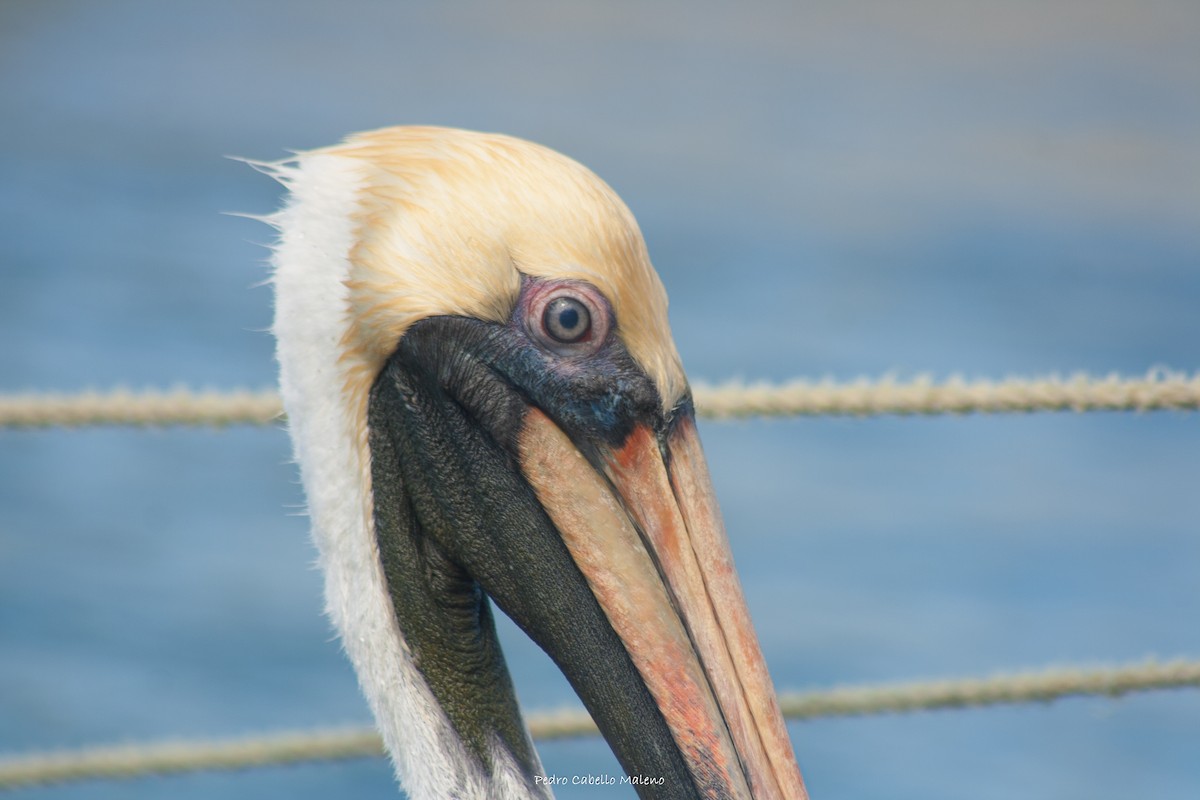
(828,189)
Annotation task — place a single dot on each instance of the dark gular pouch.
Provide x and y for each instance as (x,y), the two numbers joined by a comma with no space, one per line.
(457,524)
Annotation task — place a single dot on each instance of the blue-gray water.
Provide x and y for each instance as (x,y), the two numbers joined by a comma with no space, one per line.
(827,189)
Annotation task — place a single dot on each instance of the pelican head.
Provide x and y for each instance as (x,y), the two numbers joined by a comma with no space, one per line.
(487,406)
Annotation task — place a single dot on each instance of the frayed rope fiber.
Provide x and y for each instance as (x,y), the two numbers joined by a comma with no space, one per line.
(131,761)
(1157,390)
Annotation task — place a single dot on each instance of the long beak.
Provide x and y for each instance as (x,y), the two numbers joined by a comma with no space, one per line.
(644,529)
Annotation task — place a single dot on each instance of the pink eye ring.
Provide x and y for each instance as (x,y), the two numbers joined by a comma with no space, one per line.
(568,318)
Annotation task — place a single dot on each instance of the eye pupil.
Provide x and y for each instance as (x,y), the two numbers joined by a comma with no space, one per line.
(566,320)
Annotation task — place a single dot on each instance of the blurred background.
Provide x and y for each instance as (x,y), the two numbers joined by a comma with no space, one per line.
(827,188)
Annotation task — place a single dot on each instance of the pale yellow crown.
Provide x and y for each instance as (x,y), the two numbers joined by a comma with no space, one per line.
(449,220)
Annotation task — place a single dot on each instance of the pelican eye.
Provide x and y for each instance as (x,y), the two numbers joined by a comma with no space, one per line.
(567,320)
(570,319)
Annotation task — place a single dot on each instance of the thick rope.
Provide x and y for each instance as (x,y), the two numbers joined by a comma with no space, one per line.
(1158,390)
(130,761)
(148,408)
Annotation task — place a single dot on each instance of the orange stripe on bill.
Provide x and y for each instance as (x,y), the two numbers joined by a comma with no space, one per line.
(647,535)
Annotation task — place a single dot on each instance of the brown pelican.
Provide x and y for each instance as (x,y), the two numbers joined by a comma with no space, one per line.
(485,402)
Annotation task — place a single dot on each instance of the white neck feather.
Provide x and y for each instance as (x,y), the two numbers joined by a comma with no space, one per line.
(317,229)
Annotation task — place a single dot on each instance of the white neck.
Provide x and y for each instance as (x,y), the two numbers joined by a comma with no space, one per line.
(317,230)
